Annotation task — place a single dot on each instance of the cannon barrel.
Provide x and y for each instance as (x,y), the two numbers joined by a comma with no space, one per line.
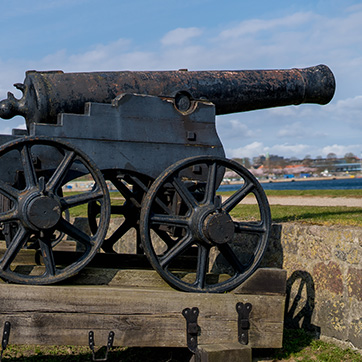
(46,94)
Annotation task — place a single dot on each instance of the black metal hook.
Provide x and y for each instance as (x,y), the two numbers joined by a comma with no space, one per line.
(5,339)
(109,345)
(192,328)
(243,322)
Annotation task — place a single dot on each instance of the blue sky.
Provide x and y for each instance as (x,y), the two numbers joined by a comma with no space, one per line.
(89,35)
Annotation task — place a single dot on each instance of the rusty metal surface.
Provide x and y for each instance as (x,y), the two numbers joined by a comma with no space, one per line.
(153,136)
(46,94)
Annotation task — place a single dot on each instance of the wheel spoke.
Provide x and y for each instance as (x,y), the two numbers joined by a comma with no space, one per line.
(36,186)
(185,193)
(29,170)
(126,192)
(94,209)
(48,257)
(9,216)
(170,220)
(8,191)
(139,183)
(59,174)
(231,258)
(162,205)
(249,227)
(117,209)
(202,265)
(14,247)
(183,211)
(211,184)
(233,200)
(165,237)
(107,245)
(80,199)
(173,253)
(75,233)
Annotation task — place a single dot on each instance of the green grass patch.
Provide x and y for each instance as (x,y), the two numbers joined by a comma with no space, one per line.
(82,210)
(82,353)
(322,215)
(298,345)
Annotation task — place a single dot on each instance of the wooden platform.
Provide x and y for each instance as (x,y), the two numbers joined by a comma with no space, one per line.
(142,310)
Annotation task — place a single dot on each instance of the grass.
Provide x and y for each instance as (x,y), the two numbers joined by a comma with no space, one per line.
(320,215)
(298,345)
(82,353)
(317,193)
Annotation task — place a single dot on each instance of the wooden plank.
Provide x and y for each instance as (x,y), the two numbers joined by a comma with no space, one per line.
(100,260)
(139,317)
(222,352)
(264,281)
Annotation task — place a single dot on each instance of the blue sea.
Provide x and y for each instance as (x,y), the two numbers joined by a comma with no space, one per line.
(338,184)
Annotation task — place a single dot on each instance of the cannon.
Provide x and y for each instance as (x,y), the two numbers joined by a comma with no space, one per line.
(149,140)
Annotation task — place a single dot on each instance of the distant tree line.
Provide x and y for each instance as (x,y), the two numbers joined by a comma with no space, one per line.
(275,161)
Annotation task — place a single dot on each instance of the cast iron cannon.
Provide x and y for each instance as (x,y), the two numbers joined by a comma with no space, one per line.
(150,137)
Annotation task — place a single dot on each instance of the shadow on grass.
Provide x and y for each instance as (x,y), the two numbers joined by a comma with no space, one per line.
(294,341)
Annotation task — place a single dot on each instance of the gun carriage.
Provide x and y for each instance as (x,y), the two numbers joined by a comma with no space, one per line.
(151,136)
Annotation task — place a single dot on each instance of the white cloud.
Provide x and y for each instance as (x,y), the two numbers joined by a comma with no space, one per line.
(298,130)
(292,150)
(348,111)
(234,128)
(180,36)
(341,150)
(248,27)
(288,150)
(250,150)
(284,112)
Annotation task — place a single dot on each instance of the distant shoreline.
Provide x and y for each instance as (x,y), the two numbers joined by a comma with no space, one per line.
(321,178)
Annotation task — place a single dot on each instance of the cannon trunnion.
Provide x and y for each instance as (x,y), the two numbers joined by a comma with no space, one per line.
(160,156)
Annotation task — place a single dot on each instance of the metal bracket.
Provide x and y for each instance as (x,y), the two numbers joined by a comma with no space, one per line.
(243,322)
(5,339)
(109,345)
(192,328)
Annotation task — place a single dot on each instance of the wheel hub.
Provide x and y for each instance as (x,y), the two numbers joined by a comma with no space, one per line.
(218,228)
(43,212)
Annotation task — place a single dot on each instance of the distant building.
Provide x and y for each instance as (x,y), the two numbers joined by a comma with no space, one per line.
(347,167)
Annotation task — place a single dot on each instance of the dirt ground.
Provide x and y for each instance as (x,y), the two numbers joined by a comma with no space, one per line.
(311,201)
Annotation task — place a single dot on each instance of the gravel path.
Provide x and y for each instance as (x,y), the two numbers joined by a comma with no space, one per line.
(311,201)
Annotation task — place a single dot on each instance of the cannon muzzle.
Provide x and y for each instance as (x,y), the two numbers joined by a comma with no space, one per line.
(46,94)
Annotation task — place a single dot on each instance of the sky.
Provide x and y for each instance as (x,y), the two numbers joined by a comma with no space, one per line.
(90,35)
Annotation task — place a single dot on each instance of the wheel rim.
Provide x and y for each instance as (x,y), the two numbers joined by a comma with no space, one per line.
(40,210)
(193,222)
